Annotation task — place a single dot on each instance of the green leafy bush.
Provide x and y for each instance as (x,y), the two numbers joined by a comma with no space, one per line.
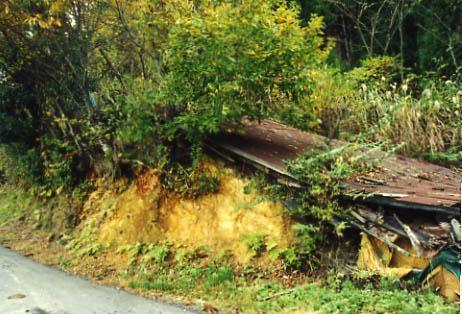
(232,60)
(255,243)
(20,165)
(224,61)
(316,205)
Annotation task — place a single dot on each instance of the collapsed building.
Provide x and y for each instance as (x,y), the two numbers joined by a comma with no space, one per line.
(408,210)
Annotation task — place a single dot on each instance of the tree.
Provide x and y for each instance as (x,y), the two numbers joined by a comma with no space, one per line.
(230,60)
(45,60)
(425,34)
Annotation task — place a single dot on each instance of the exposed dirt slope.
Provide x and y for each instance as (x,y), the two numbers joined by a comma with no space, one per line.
(220,221)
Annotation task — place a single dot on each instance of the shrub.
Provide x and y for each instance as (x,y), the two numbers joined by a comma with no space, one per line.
(424,113)
(224,61)
(232,60)
(20,165)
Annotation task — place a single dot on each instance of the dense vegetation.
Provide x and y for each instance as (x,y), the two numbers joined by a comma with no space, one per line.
(108,88)
(425,34)
(209,280)
(105,86)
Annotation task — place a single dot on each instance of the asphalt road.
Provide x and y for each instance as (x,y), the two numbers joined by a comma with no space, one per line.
(29,287)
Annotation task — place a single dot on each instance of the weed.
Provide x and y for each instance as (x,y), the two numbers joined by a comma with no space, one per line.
(220,284)
(322,172)
(147,254)
(190,181)
(255,243)
(156,253)
(451,157)
(82,190)
(291,258)
(426,120)
(15,203)
(91,249)
(218,275)
(65,263)
(182,257)
(159,284)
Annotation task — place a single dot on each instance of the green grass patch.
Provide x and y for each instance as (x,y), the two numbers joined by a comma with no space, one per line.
(263,296)
(230,290)
(14,202)
(351,299)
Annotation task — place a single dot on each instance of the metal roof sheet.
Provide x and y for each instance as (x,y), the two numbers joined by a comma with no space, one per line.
(407,180)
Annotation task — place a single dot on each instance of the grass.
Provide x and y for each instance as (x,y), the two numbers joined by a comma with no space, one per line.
(351,299)
(424,113)
(249,291)
(232,292)
(15,202)
(65,263)
(430,122)
(232,288)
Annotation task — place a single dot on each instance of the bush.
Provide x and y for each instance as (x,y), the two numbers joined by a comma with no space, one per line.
(20,165)
(223,62)
(234,60)
(330,101)
(422,113)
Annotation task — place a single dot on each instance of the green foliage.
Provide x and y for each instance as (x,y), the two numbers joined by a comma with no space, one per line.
(90,249)
(153,268)
(291,258)
(44,57)
(109,87)
(366,104)
(231,291)
(451,157)
(219,73)
(20,165)
(308,236)
(146,254)
(378,71)
(335,92)
(255,243)
(157,253)
(16,203)
(323,173)
(424,35)
(350,299)
(439,43)
(84,240)
(175,74)
(215,74)
(180,71)
(316,205)
(215,276)
(190,181)
(429,121)
(211,277)
(133,123)
(65,263)
(160,284)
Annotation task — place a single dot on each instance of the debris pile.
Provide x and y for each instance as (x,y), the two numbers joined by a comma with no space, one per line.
(409,215)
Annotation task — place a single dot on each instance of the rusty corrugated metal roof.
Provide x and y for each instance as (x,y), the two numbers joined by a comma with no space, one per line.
(402,179)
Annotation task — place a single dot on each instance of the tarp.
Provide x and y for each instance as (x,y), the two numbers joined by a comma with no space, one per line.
(441,272)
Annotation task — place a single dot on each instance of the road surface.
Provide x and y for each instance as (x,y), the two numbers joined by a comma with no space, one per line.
(28,287)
